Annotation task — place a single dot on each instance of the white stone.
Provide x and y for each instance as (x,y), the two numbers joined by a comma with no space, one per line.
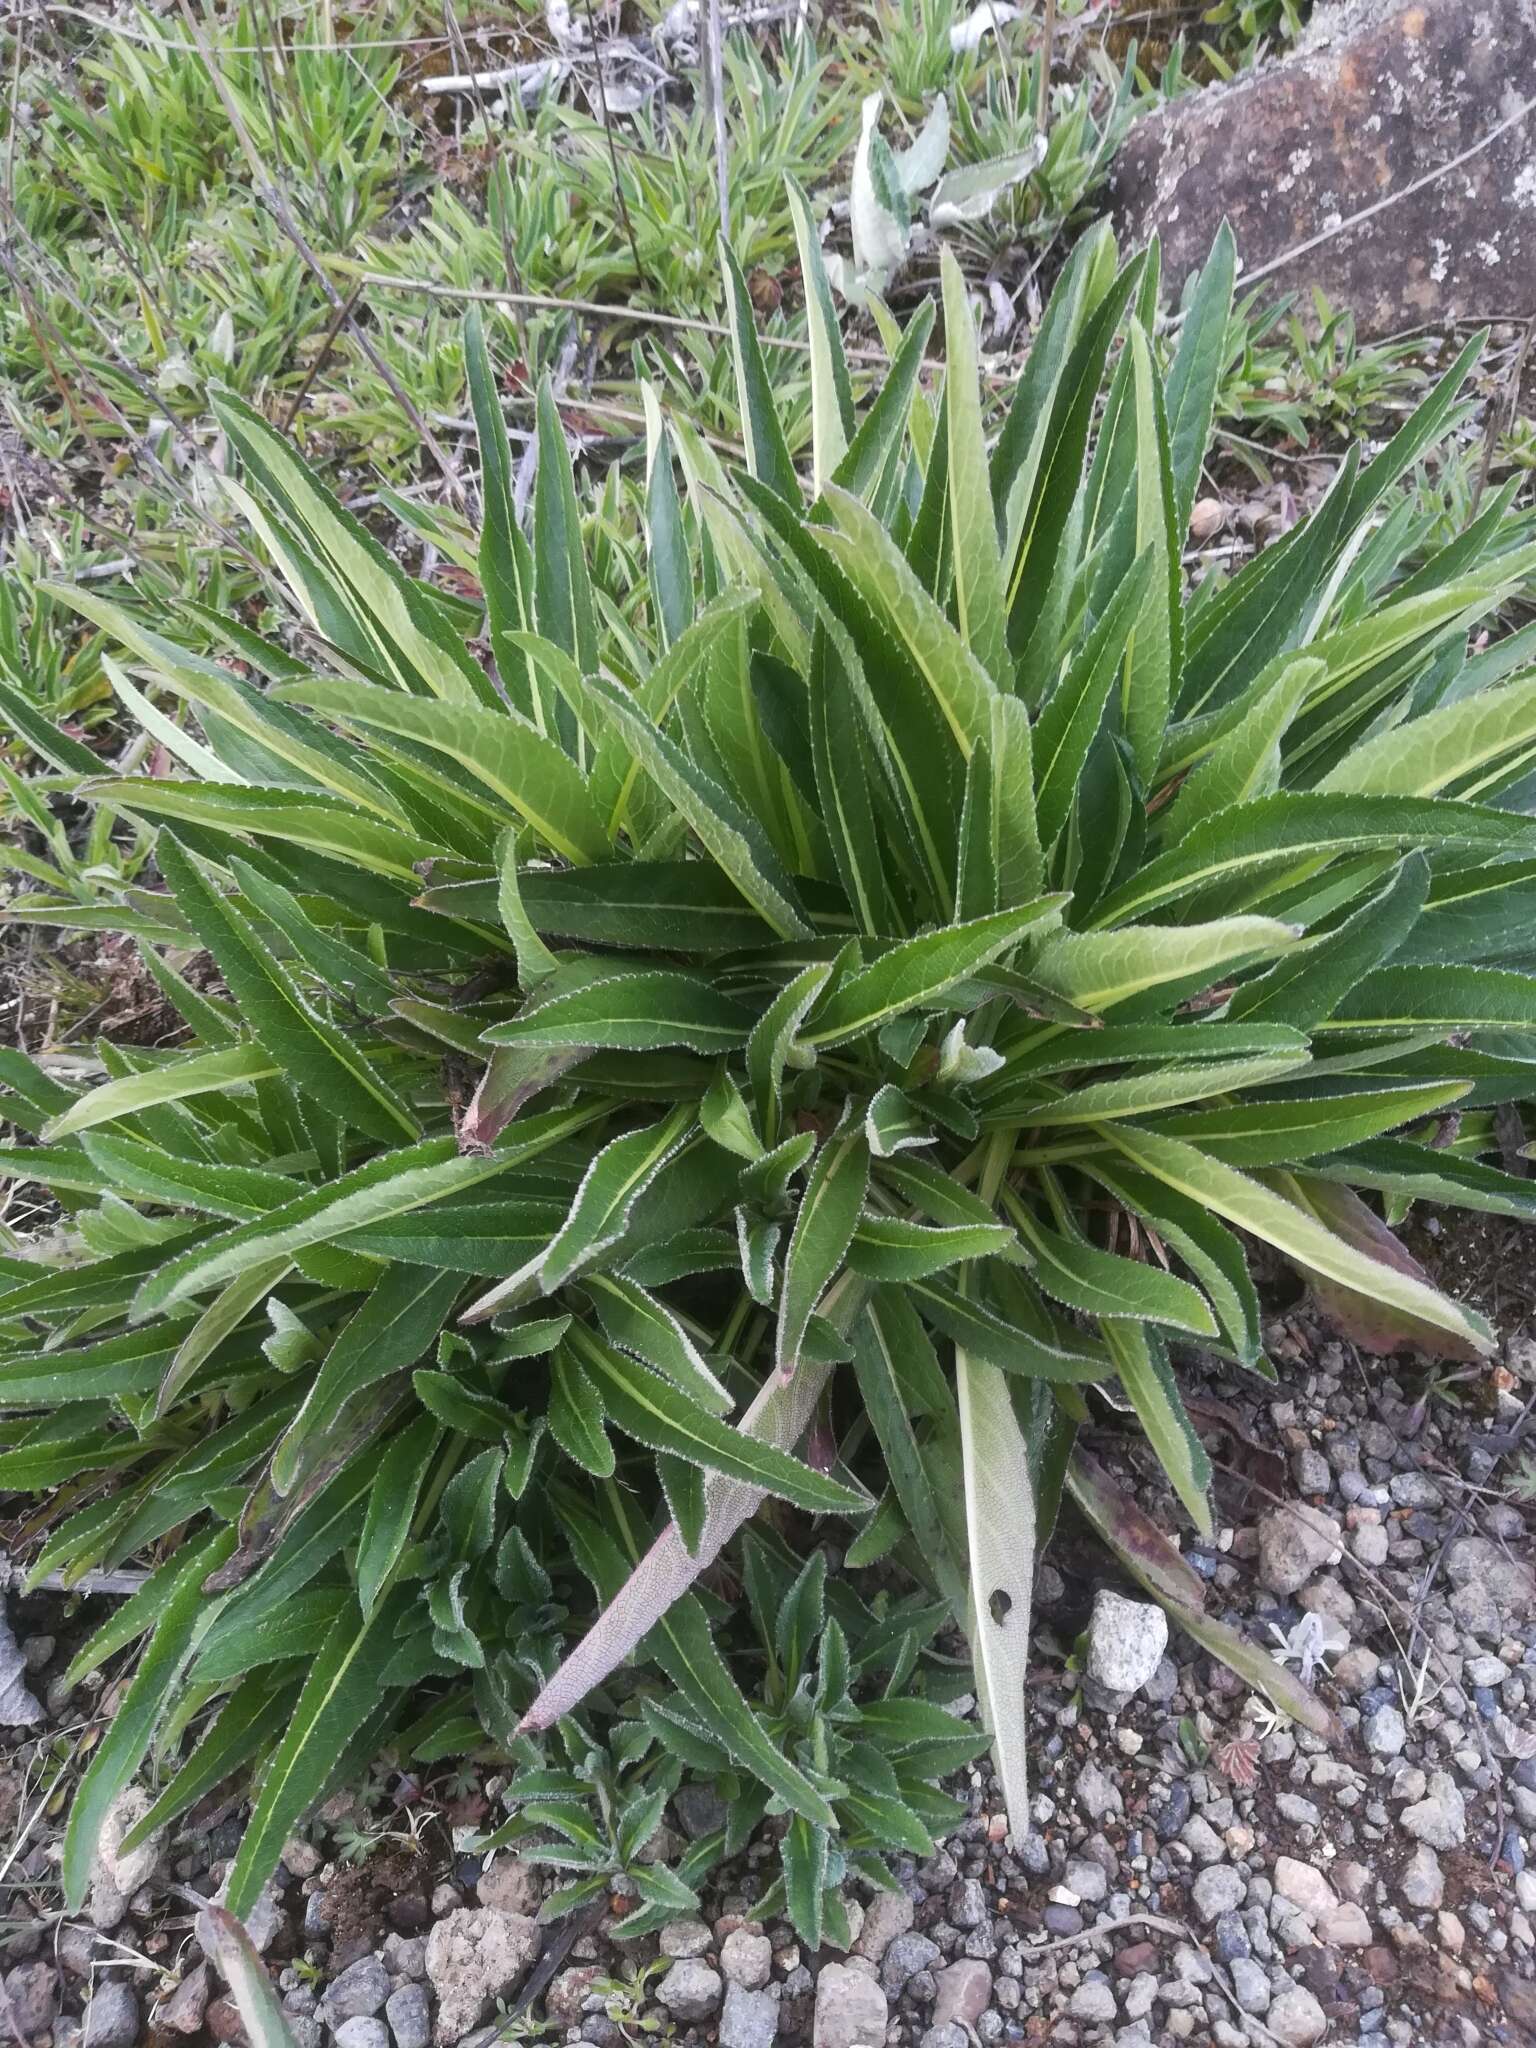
(1126,1641)
(851,2009)
(474,1956)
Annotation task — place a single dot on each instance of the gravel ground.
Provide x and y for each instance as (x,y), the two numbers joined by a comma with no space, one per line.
(1195,1871)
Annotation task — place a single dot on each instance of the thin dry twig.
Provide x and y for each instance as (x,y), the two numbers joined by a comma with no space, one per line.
(1047,51)
(339,318)
(613,154)
(642,316)
(1501,415)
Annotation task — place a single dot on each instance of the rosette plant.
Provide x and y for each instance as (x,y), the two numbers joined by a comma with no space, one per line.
(805,1012)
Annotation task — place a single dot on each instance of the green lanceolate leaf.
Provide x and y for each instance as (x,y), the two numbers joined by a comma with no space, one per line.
(309,819)
(832,421)
(1097,970)
(1147,1380)
(1258,1209)
(1289,828)
(576,1411)
(1074,711)
(886,1336)
(659,1414)
(563,600)
(631,1013)
(395,1325)
(920,969)
(1103,1284)
(122,1747)
(824,1226)
(1003,1342)
(1304,987)
(732,838)
(314,1054)
(390,1185)
(532,775)
(980,598)
(341,1691)
(1245,761)
(231,1066)
(645,1327)
(890,1248)
(392,1503)
(1196,372)
(141,1172)
(767,456)
(773,1043)
(599,1215)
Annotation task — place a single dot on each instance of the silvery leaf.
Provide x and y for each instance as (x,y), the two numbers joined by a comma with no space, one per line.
(971,193)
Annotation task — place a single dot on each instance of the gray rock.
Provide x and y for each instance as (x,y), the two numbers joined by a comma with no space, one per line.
(1294,1542)
(851,2009)
(700,1810)
(1304,1887)
(1372,102)
(182,2012)
(1384,1732)
(1301,1813)
(362,2032)
(358,1993)
(748,2019)
(1126,1641)
(684,1938)
(690,1990)
(33,1989)
(126,1870)
(510,1884)
(266,1919)
(1140,1996)
(405,1955)
(887,1915)
(1490,1671)
(1423,1884)
(1509,1581)
(1369,1543)
(474,1955)
(112,2017)
(1094,1999)
(1414,1490)
(1311,1470)
(1202,1840)
(907,1954)
(1087,1879)
(301,1859)
(967,1904)
(1097,1793)
(1296,2019)
(409,2013)
(1218,1889)
(1474,1610)
(965,1990)
(943,2037)
(1440,1818)
(1250,1981)
(567,1994)
(747,1958)
(1345,1927)
(1356,1670)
